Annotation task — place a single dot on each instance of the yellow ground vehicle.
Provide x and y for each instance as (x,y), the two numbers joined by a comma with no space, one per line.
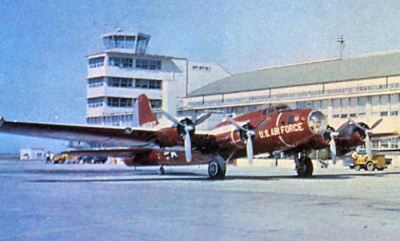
(61,158)
(362,161)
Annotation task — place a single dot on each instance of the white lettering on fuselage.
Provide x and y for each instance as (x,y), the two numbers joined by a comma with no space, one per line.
(281,130)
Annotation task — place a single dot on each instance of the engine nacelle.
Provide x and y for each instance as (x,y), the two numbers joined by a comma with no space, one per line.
(350,136)
(168,137)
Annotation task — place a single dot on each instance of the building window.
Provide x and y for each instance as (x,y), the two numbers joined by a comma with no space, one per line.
(384,144)
(375,105)
(113,120)
(148,64)
(95,102)
(119,82)
(141,44)
(201,68)
(147,84)
(362,106)
(119,102)
(384,113)
(394,143)
(127,42)
(95,82)
(96,62)
(120,62)
(375,145)
(394,113)
(156,103)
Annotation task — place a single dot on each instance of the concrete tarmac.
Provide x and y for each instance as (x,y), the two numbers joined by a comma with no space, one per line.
(113,202)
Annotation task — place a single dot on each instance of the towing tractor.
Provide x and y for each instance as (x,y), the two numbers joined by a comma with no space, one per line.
(377,162)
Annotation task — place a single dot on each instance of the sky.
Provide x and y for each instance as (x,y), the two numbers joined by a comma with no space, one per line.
(43,44)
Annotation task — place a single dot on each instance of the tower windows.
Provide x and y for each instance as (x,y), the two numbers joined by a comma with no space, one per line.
(96,62)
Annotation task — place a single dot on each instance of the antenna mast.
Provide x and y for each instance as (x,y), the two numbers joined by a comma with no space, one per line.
(341,46)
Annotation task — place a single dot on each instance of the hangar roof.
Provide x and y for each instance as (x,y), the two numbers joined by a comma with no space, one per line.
(307,73)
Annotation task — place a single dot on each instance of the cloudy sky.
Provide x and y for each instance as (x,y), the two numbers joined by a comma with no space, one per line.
(43,44)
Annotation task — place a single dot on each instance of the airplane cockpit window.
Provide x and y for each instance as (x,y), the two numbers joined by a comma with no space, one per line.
(282,108)
(277,108)
(290,119)
(269,110)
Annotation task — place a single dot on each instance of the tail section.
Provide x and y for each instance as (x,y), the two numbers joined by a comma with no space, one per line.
(143,112)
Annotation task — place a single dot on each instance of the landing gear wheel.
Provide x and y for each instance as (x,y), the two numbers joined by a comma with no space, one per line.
(305,167)
(369,166)
(217,168)
(161,171)
(357,167)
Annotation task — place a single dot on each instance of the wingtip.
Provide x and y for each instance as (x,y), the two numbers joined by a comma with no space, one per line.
(1,120)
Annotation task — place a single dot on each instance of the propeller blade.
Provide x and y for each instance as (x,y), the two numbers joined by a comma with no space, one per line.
(249,147)
(188,146)
(171,118)
(249,134)
(237,125)
(368,146)
(376,124)
(202,119)
(332,146)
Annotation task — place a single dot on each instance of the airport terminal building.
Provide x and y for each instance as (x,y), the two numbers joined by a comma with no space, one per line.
(365,88)
(124,70)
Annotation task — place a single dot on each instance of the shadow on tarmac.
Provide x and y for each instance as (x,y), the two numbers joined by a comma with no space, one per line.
(190,176)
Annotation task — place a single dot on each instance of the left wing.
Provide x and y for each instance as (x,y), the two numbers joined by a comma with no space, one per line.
(116,136)
(120,151)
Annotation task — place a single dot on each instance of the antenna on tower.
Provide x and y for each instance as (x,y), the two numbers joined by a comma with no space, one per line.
(341,45)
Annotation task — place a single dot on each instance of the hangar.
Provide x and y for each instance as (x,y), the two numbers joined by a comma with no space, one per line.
(365,88)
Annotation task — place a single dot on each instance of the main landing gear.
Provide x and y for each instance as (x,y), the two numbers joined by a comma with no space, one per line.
(217,167)
(161,171)
(304,166)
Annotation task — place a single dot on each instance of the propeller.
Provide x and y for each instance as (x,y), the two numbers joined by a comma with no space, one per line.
(368,131)
(332,145)
(188,126)
(249,136)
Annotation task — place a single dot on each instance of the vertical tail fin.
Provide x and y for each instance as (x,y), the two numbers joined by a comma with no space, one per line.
(143,113)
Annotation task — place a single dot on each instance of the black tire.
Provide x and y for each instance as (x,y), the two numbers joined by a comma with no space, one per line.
(305,168)
(217,168)
(161,171)
(357,167)
(369,166)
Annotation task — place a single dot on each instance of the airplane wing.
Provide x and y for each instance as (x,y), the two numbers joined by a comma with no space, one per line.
(116,136)
(114,152)
(395,133)
(118,151)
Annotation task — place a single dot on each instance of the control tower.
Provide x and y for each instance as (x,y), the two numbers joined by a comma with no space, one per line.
(124,70)
(135,43)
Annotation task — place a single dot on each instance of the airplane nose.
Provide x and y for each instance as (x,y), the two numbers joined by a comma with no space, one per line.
(317,122)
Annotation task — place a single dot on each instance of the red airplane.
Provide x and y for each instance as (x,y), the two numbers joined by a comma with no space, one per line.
(272,129)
